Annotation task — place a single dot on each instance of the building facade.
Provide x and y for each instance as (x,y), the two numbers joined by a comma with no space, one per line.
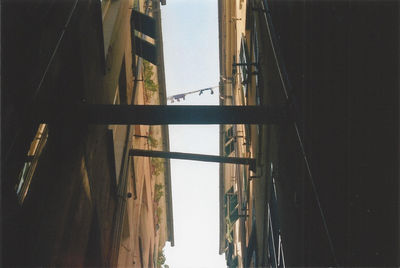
(242,191)
(71,194)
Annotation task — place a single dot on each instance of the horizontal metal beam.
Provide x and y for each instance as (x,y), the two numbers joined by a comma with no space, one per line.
(163,114)
(195,157)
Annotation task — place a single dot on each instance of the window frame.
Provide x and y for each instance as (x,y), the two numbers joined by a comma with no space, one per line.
(32,158)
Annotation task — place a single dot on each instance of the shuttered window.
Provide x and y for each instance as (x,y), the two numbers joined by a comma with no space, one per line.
(231,206)
(244,67)
(229,141)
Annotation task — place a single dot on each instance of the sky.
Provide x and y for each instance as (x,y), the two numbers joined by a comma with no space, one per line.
(190,37)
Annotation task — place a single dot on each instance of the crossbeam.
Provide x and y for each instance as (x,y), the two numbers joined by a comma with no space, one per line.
(196,157)
(163,114)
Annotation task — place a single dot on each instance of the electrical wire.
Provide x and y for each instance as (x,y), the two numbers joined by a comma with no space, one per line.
(55,49)
(286,84)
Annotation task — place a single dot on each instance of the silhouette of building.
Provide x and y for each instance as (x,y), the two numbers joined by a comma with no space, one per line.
(325,190)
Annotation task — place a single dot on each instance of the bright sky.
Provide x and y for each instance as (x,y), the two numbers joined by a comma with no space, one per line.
(190,35)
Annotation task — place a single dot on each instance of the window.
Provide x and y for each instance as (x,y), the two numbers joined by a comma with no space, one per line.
(110,10)
(245,189)
(118,133)
(275,246)
(231,206)
(228,134)
(244,65)
(141,252)
(235,262)
(247,134)
(229,141)
(229,148)
(271,253)
(255,55)
(32,157)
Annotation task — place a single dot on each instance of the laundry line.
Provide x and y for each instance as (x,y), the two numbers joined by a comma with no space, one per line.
(182,96)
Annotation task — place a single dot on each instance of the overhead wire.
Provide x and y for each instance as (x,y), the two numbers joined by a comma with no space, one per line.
(65,27)
(290,98)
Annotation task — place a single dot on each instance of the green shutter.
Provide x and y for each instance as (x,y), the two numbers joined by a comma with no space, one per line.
(235,262)
(233,201)
(234,215)
(228,134)
(231,208)
(226,198)
(226,205)
(229,142)
(229,148)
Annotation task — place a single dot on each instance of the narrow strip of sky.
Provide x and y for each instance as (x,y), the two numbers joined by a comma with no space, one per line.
(190,36)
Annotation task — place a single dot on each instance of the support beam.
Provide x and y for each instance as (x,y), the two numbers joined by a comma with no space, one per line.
(196,157)
(163,114)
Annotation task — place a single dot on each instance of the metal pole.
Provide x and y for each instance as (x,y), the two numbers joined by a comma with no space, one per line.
(195,157)
(163,114)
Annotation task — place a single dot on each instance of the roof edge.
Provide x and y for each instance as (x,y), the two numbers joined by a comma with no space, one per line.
(164,128)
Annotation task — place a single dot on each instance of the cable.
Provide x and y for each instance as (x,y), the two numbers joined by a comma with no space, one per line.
(285,82)
(55,49)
